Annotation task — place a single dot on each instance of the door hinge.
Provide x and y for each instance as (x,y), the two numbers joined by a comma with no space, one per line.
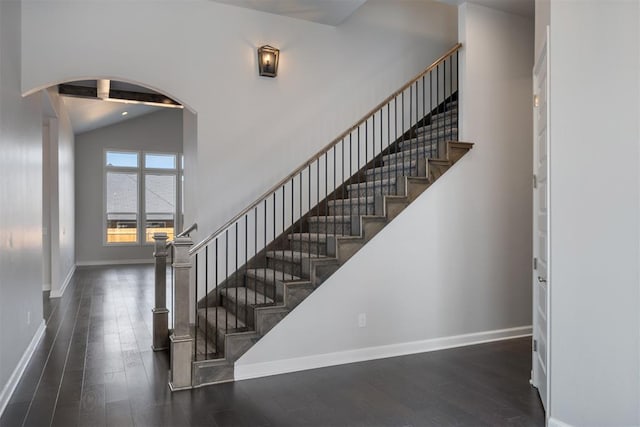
(535,345)
(535,181)
(535,263)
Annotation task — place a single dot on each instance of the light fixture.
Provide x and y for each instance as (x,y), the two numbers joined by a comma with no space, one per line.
(268,61)
(124,113)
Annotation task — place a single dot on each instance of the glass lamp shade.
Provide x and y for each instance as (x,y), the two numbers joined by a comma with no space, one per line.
(268,57)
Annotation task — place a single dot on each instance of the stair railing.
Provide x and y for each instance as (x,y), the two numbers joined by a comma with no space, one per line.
(341,182)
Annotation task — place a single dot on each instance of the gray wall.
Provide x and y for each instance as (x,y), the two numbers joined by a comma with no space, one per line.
(20,203)
(595,213)
(161,131)
(461,251)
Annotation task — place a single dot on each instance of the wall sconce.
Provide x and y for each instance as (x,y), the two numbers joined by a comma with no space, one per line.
(268,61)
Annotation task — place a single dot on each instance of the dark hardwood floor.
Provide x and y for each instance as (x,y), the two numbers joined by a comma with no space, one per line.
(94,367)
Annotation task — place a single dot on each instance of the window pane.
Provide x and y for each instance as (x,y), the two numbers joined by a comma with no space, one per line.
(122,159)
(122,207)
(160,205)
(160,161)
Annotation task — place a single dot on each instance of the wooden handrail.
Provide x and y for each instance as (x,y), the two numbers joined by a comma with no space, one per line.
(326,148)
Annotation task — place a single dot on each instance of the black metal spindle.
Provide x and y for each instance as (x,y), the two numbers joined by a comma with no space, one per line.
(342,209)
(217,303)
(255,245)
(292,217)
(438,109)
(358,175)
(318,199)
(402,130)
(300,220)
(195,332)
(410,117)
(226,278)
(424,116)
(366,160)
(284,193)
(351,171)
(274,239)
(244,276)
(236,273)
(206,299)
(334,192)
(264,271)
(396,139)
(389,144)
(326,196)
(431,114)
(309,211)
(373,156)
(458,94)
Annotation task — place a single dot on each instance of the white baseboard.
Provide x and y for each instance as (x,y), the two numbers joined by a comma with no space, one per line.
(275,367)
(57,293)
(11,385)
(554,422)
(115,262)
(46,287)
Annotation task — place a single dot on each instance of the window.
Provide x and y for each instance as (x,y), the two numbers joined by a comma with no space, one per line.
(136,192)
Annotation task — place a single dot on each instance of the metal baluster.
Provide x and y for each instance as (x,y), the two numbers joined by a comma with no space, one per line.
(410,116)
(402,131)
(438,108)
(458,94)
(244,276)
(206,299)
(309,213)
(451,97)
(373,155)
(235,271)
(318,199)
(195,332)
(292,221)
(255,246)
(416,126)
(366,160)
(274,239)
(350,169)
(264,284)
(326,196)
(396,142)
(226,278)
(217,302)
(389,142)
(283,224)
(300,220)
(334,192)
(423,121)
(358,175)
(431,122)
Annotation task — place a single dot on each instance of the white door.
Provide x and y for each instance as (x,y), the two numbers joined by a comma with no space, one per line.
(541,223)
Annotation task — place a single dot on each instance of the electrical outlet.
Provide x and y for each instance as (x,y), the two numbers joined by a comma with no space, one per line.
(362,320)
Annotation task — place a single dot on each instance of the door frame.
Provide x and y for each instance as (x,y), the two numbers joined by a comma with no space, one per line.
(542,57)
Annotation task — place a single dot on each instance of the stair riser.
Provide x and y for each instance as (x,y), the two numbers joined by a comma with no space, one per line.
(240,310)
(426,140)
(290,267)
(331,228)
(448,117)
(265,288)
(211,331)
(372,191)
(418,152)
(394,171)
(309,247)
(351,209)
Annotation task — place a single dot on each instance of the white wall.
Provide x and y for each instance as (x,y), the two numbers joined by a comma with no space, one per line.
(595,213)
(252,131)
(61,196)
(20,207)
(458,260)
(158,132)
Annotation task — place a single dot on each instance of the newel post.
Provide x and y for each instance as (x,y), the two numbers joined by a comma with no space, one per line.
(181,339)
(160,312)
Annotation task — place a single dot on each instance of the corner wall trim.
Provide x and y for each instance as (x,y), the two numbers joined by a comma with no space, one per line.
(11,385)
(554,422)
(275,367)
(149,260)
(57,293)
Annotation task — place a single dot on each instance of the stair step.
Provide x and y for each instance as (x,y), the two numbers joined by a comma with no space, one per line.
(241,300)
(314,244)
(351,206)
(330,224)
(289,256)
(372,188)
(430,132)
(446,115)
(413,153)
(269,275)
(397,168)
(217,321)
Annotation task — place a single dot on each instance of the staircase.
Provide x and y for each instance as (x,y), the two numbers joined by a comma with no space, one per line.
(267,260)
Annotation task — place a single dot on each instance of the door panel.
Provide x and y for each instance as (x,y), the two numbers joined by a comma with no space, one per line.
(541,225)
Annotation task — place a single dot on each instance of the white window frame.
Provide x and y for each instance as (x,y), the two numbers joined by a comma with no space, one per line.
(142,171)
